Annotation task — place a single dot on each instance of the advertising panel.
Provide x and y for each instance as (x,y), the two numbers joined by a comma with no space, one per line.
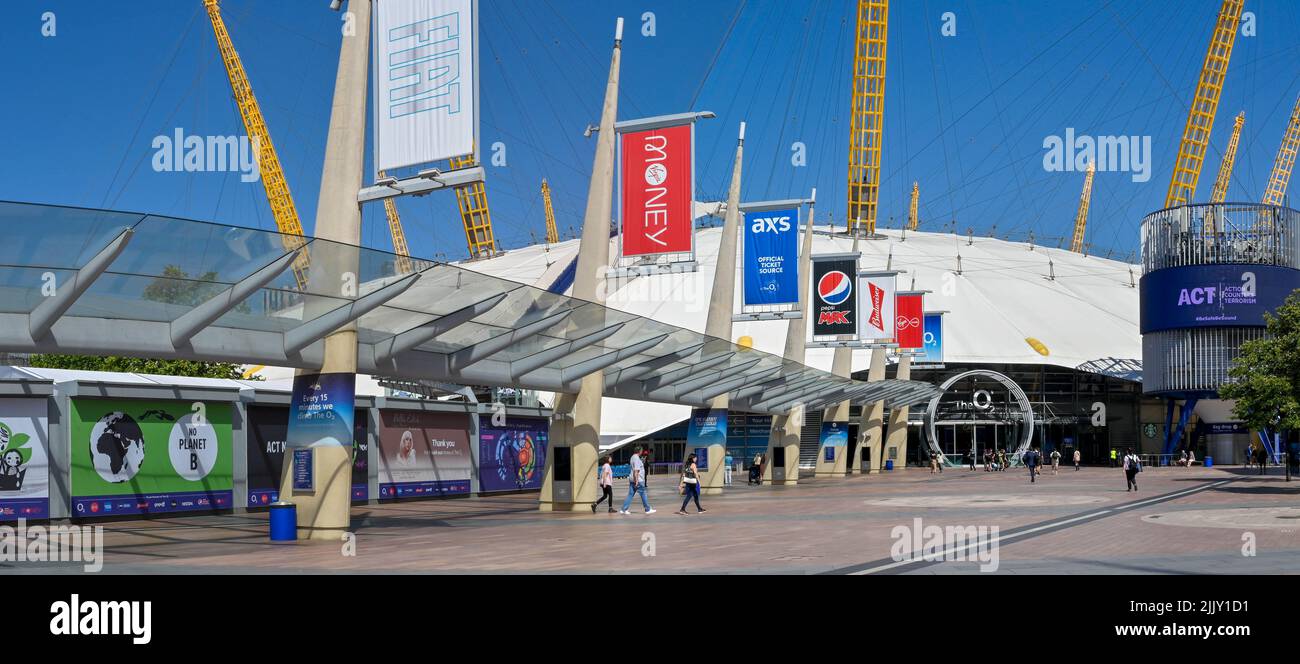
(1235,295)
(707,426)
(150,457)
(267,431)
(933,339)
(24,465)
(656,180)
(423,81)
(771,257)
(835,434)
(909,320)
(878,297)
(423,454)
(834,302)
(511,454)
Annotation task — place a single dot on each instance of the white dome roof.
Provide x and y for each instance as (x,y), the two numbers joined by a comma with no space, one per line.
(1086,317)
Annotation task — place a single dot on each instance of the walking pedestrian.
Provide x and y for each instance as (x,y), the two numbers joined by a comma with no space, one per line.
(1056,461)
(1132,466)
(726,470)
(1031,461)
(970,455)
(1077,458)
(988,460)
(606,485)
(636,483)
(690,486)
(934,463)
(1113,455)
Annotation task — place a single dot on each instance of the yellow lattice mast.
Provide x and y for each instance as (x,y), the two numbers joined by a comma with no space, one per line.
(1200,118)
(403,263)
(1220,191)
(474,213)
(1081,218)
(867,116)
(277,188)
(552,235)
(912,219)
(1275,192)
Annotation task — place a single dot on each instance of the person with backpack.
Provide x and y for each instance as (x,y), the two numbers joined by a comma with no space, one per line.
(606,483)
(1056,461)
(1132,466)
(690,486)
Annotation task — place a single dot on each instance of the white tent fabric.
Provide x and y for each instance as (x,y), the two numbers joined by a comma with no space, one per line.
(999,296)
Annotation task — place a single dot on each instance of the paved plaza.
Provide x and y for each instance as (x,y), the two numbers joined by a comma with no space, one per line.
(1181,521)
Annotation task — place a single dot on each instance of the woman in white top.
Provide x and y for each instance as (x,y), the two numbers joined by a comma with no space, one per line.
(606,482)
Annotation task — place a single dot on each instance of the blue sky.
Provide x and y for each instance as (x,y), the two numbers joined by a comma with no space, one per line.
(965,115)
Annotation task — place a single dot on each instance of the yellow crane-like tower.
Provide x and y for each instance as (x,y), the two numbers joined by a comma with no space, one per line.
(1275,192)
(912,219)
(1081,218)
(403,265)
(867,114)
(474,213)
(1220,191)
(552,235)
(277,188)
(1200,117)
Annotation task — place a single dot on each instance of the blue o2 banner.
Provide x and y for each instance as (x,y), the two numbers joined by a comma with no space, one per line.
(708,426)
(1234,295)
(932,341)
(320,413)
(835,434)
(771,257)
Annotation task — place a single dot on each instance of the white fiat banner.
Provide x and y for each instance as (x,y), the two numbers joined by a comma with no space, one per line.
(423,81)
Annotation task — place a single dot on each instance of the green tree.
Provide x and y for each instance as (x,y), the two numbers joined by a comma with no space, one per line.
(1265,378)
(174,286)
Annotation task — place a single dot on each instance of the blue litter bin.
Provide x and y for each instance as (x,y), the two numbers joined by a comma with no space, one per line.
(1209,462)
(284,521)
(889,464)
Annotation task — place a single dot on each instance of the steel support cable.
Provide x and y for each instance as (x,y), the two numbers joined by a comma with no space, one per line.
(789,101)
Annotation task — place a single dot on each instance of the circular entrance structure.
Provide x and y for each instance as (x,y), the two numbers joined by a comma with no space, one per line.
(983,407)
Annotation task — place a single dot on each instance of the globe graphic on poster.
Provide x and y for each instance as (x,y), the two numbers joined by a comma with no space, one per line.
(116,447)
(516,458)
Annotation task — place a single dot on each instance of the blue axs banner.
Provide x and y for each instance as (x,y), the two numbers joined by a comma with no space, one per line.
(771,257)
(1230,295)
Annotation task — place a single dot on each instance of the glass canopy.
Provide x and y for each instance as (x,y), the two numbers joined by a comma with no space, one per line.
(100,282)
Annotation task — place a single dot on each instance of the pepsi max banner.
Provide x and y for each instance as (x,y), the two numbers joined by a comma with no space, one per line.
(268,428)
(909,316)
(932,340)
(423,81)
(771,257)
(877,295)
(1235,295)
(656,185)
(24,465)
(511,453)
(834,308)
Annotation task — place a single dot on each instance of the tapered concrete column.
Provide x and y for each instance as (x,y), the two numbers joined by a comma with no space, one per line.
(896,436)
(870,427)
(722,304)
(324,513)
(576,422)
(786,428)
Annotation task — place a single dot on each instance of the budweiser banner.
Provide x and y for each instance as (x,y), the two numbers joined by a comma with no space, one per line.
(834,302)
(877,295)
(656,182)
(909,320)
